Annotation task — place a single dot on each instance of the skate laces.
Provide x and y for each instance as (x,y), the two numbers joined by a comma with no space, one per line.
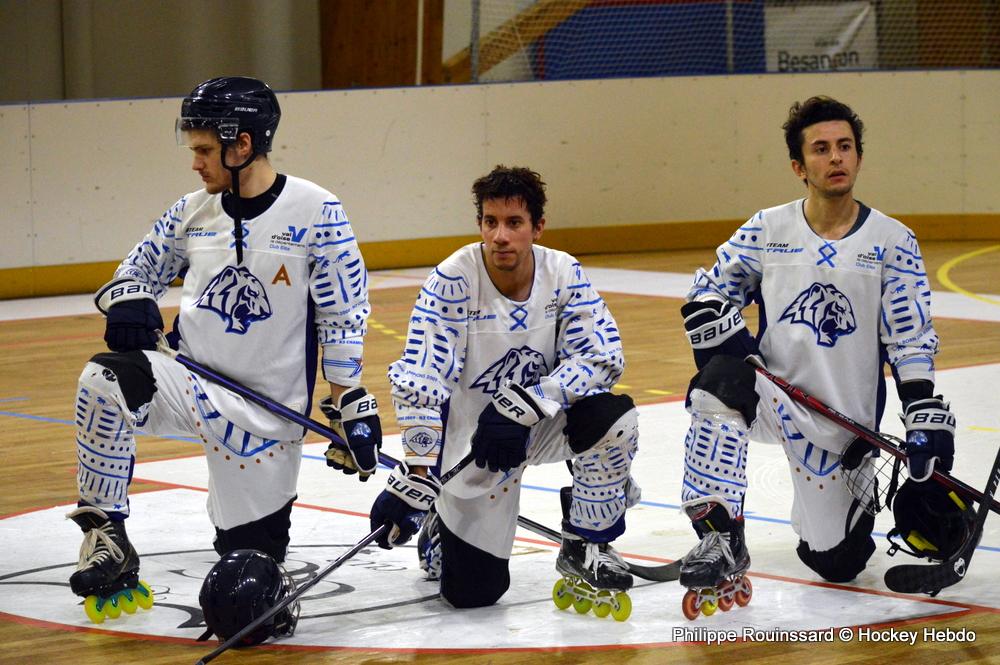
(710,548)
(98,543)
(596,557)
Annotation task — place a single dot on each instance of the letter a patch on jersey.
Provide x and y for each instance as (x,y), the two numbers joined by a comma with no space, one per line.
(282,276)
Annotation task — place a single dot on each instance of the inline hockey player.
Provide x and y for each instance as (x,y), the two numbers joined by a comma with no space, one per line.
(271,267)
(842,288)
(511,354)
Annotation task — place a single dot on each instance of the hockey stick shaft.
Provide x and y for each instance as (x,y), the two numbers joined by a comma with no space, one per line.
(292,597)
(872,437)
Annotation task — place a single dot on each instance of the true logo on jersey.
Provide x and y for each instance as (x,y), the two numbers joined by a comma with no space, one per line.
(826,310)
(523,366)
(237,296)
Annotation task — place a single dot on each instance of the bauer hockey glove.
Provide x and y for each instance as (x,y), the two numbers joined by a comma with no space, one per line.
(355,418)
(930,437)
(132,325)
(715,327)
(403,505)
(501,438)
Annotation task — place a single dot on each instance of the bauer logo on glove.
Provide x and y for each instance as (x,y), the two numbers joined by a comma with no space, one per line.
(355,418)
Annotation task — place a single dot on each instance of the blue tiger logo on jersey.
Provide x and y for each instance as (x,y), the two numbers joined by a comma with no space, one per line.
(523,366)
(237,296)
(826,310)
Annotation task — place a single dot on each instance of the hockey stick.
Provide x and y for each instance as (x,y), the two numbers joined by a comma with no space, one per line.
(912,578)
(292,597)
(875,438)
(666,573)
(294,416)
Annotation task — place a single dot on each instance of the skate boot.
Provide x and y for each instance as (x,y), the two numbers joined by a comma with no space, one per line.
(107,575)
(714,570)
(594,576)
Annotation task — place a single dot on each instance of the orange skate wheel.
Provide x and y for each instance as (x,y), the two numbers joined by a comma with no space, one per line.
(744,593)
(689,605)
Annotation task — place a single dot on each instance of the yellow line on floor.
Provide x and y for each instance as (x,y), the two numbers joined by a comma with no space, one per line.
(942,274)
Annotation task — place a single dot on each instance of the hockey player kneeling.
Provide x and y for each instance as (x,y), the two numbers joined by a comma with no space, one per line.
(511,355)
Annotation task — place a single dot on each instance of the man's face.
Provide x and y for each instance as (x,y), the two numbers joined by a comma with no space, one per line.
(830,158)
(205,146)
(508,233)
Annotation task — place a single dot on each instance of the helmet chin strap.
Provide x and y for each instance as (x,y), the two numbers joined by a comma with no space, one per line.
(234,172)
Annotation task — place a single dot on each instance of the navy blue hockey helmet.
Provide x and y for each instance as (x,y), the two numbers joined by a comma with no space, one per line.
(230,105)
(241,586)
(931,520)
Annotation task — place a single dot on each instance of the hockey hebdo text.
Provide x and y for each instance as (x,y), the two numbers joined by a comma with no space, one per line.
(861,635)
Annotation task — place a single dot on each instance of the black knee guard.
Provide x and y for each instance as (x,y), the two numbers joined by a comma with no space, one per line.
(589,419)
(133,373)
(268,534)
(470,577)
(845,561)
(732,381)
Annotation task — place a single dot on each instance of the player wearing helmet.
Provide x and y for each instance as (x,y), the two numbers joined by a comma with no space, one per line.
(258,252)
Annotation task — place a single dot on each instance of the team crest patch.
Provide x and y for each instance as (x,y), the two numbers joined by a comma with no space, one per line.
(421,440)
(523,366)
(826,310)
(238,297)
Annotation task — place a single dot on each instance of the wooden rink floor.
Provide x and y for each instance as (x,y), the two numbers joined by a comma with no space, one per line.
(41,358)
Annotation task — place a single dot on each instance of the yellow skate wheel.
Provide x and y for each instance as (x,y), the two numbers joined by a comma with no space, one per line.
(602,607)
(93,612)
(623,607)
(127,600)
(144,596)
(745,593)
(708,607)
(582,605)
(560,595)
(689,605)
(112,607)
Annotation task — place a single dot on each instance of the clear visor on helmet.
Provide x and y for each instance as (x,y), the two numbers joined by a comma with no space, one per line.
(227,129)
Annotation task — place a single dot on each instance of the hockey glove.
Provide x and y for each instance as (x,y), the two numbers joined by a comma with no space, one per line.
(930,437)
(403,505)
(501,438)
(715,327)
(132,325)
(355,418)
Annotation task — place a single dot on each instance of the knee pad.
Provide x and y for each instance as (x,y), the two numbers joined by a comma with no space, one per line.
(130,375)
(598,419)
(268,534)
(732,382)
(848,558)
(470,577)
(715,453)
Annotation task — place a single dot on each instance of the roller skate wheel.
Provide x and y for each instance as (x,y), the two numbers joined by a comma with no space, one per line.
(582,605)
(689,605)
(94,609)
(709,606)
(623,607)
(144,596)
(744,593)
(127,601)
(112,607)
(725,598)
(560,595)
(602,607)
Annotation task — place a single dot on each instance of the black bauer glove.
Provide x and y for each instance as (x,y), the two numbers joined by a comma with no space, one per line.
(355,418)
(403,505)
(501,438)
(930,437)
(133,325)
(715,327)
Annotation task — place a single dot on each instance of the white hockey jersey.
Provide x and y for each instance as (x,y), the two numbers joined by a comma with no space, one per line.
(831,311)
(302,282)
(465,339)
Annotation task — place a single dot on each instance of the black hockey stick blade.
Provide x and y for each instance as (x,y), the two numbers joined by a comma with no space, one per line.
(877,439)
(666,573)
(292,597)
(930,579)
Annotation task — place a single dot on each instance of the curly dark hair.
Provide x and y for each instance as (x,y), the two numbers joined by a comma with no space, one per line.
(814,110)
(509,183)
